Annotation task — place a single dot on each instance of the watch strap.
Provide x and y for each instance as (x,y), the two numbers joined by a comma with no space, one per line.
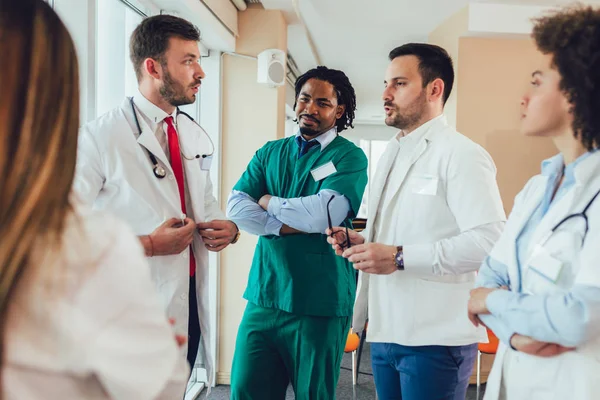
(399,258)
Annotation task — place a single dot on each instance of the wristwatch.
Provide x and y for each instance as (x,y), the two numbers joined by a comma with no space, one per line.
(237,236)
(399,258)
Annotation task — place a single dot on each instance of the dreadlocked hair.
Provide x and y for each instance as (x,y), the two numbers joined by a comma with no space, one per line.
(343,90)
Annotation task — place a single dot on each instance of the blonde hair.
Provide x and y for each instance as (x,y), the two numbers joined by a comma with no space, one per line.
(39,119)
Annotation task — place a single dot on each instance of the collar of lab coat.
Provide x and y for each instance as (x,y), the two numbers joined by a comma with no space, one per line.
(587,183)
(147,137)
(418,141)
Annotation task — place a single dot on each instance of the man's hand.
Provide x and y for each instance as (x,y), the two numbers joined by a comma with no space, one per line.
(338,240)
(172,237)
(477,303)
(372,258)
(217,234)
(264,201)
(534,347)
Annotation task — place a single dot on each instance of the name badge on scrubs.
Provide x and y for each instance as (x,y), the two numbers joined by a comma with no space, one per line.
(205,162)
(323,171)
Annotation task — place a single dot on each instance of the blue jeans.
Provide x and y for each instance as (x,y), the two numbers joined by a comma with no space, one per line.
(422,372)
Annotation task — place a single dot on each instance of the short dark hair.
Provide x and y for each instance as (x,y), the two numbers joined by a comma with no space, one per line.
(150,39)
(572,37)
(343,90)
(434,63)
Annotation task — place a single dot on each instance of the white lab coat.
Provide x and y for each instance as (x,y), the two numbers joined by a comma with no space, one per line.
(86,322)
(446,186)
(572,375)
(114,173)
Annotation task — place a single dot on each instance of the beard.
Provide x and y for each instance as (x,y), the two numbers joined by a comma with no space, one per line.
(308,132)
(173,92)
(410,116)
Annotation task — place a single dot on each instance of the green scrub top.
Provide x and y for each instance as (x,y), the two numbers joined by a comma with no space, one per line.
(300,273)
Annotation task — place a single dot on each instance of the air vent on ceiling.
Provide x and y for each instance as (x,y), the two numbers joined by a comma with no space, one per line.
(253,1)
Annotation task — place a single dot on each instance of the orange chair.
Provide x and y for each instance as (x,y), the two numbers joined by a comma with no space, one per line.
(354,344)
(485,348)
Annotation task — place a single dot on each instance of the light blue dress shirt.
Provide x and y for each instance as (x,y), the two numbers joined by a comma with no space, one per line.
(306,214)
(560,319)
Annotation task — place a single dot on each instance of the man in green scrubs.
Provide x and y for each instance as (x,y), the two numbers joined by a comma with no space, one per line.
(300,295)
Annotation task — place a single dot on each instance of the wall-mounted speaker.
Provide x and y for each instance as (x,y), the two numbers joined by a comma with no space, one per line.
(271,67)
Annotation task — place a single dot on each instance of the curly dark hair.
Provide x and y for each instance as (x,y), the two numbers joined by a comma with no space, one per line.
(343,90)
(572,37)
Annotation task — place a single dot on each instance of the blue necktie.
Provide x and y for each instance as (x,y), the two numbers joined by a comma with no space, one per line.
(305,146)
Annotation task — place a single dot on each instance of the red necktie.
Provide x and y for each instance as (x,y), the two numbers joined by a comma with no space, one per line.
(177,166)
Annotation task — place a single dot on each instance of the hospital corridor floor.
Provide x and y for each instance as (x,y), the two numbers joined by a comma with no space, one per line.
(365,390)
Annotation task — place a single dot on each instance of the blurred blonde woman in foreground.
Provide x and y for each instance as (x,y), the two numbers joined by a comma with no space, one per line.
(78,312)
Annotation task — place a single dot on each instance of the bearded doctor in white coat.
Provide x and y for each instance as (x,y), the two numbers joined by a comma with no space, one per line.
(130,162)
(434,214)
(548,321)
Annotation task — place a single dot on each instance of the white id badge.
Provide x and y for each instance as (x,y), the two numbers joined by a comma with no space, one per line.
(425,184)
(543,272)
(323,171)
(205,162)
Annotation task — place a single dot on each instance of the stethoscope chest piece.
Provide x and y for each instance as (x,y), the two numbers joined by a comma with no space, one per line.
(159,171)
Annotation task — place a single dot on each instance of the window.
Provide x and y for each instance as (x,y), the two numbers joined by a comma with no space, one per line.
(115,76)
(374,150)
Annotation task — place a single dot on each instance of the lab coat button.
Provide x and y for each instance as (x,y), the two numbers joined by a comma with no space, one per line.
(171,177)
(183,296)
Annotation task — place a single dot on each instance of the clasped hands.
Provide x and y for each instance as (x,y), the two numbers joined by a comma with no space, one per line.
(175,235)
(477,306)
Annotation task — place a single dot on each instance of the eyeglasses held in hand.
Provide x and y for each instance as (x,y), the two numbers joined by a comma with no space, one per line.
(342,245)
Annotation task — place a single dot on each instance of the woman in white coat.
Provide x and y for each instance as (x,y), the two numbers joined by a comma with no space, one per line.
(539,290)
(79,315)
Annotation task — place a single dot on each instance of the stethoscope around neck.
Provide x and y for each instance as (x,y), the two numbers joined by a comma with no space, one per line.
(582,214)
(158,169)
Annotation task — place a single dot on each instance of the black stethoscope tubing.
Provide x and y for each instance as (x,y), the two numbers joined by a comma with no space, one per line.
(158,170)
(582,214)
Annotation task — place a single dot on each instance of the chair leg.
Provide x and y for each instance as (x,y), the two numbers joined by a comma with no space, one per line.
(354,368)
(478,373)
(360,349)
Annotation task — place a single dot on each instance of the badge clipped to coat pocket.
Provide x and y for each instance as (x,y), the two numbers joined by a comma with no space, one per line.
(543,272)
(205,162)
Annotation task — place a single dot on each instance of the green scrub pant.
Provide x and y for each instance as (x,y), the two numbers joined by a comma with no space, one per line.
(274,347)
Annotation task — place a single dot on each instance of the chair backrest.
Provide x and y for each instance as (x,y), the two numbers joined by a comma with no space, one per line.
(352,342)
(492,346)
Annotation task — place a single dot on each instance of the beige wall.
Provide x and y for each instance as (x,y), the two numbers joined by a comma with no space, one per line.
(493,75)
(226,12)
(447,35)
(252,115)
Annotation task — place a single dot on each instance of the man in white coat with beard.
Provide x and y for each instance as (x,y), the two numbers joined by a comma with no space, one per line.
(434,214)
(148,163)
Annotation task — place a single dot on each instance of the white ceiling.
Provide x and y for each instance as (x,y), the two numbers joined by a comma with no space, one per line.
(357,35)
